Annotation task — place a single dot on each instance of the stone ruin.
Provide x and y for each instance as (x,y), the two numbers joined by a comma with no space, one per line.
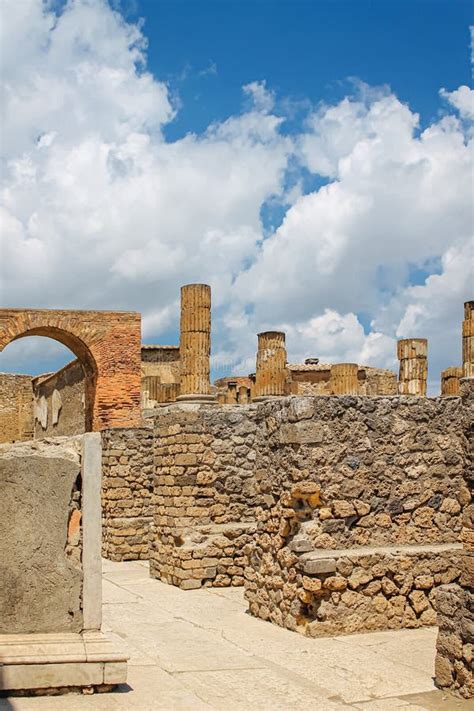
(339,496)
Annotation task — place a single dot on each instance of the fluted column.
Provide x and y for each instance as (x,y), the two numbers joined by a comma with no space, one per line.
(412,354)
(270,379)
(468,340)
(343,379)
(195,342)
(450,378)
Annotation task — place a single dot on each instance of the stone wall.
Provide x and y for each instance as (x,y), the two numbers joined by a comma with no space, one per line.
(41,537)
(455,644)
(127,470)
(16,407)
(315,379)
(368,496)
(205,494)
(60,402)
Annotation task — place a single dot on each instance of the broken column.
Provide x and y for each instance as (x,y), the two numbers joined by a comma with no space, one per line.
(412,354)
(271,376)
(343,379)
(243,394)
(468,340)
(231,398)
(450,378)
(195,343)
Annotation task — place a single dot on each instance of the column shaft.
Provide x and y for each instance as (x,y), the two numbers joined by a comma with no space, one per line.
(195,340)
(271,374)
(468,340)
(450,378)
(343,379)
(412,354)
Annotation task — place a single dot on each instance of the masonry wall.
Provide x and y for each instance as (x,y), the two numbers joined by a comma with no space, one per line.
(367,515)
(41,585)
(127,472)
(316,380)
(16,407)
(60,402)
(205,494)
(454,666)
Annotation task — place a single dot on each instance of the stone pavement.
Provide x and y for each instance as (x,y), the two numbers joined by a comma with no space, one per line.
(199,649)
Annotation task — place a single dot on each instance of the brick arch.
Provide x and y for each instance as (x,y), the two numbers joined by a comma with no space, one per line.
(107,343)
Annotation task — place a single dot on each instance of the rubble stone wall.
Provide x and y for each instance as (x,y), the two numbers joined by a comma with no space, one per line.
(16,407)
(205,494)
(127,470)
(454,667)
(372,489)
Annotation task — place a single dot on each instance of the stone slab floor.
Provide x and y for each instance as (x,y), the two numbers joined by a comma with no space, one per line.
(199,649)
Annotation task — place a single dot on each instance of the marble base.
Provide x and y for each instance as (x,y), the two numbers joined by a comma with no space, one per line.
(29,662)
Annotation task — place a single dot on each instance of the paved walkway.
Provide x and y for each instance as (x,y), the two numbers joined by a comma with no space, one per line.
(199,650)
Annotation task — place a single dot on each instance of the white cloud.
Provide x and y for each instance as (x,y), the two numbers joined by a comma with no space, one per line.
(462,99)
(100,211)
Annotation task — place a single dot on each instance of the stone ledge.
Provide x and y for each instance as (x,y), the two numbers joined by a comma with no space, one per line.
(56,660)
(323,560)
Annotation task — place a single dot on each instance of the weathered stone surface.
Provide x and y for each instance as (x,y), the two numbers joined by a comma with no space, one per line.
(40,572)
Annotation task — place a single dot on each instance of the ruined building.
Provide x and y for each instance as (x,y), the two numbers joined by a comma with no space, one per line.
(339,496)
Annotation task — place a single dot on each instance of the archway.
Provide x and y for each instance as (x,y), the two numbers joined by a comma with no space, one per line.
(106,343)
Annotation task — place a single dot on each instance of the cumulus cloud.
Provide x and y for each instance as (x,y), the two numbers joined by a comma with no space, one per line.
(100,211)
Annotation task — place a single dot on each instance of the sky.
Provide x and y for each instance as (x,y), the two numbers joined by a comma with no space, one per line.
(311,160)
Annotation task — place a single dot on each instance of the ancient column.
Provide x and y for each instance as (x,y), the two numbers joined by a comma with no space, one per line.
(195,343)
(243,394)
(468,340)
(231,392)
(270,379)
(450,378)
(343,379)
(412,354)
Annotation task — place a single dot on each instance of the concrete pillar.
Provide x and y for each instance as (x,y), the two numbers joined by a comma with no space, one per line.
(450,378)
(270,379)
(412,354)
(343,379)
(195,343)
(468,340)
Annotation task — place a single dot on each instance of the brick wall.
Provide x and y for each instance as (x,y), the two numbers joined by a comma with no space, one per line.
(108,345)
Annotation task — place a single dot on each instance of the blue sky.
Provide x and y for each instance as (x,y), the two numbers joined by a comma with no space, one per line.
(311,160)
(306,50)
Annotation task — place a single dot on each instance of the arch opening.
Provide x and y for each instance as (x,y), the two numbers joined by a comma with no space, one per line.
(57,396)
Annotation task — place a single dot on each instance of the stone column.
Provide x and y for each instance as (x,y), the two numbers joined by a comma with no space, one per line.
(450,378)
(412,354)
(195,343)
(468,340)
(243,395)
(343,379)
(231,392)
(270,379)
